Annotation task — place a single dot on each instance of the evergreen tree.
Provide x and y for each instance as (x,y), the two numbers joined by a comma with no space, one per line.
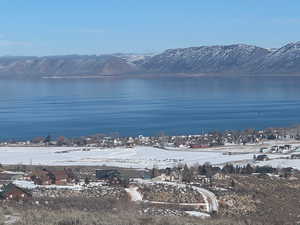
(86,180)
(187,175)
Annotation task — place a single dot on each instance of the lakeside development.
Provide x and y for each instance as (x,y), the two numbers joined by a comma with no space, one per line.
(213,177)
(229,183)
(277,147)
(148,157)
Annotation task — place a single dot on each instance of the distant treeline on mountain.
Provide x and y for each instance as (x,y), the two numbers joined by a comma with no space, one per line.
(219,59)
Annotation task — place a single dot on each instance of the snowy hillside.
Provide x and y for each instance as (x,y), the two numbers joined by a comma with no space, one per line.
(205,59)
(237,58)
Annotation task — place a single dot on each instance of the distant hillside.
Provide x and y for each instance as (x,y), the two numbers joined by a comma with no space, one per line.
(64,66)
(205,59)
(237,58)
(283,60)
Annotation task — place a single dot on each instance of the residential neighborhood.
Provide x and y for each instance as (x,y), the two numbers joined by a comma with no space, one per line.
(173,187)
(162,140)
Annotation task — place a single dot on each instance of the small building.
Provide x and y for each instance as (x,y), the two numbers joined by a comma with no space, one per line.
(13,192)
(57,177)
(220,176)
(285,172)
(7,177)
(164,177)
(262,158)
(40,177)
(264,150)
(295,156)
(107,174)
(195,146)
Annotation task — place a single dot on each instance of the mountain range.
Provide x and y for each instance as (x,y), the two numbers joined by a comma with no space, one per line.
(218,59)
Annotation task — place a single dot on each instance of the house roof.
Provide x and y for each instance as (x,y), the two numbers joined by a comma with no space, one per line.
(9,188)
(59,174)
(5,176)
(49,174)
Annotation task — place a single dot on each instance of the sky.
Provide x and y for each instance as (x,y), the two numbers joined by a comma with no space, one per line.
(59,27)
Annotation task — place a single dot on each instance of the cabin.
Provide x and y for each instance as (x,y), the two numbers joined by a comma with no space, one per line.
(13,192)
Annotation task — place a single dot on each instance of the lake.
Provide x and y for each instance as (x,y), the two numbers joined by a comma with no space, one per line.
(148,106)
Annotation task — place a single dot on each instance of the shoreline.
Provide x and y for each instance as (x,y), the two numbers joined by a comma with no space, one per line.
(151,75)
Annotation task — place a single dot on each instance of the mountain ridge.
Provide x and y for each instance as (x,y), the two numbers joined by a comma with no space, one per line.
(216,59)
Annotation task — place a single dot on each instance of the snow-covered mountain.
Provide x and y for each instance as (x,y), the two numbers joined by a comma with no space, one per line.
(206,59)
(134,58)
(221,59)
(283,60)
(239,58)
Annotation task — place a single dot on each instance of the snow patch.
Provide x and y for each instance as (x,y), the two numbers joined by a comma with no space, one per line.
(134,194)
(197,214)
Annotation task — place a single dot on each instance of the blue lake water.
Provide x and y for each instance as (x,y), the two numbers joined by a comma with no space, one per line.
(134,106)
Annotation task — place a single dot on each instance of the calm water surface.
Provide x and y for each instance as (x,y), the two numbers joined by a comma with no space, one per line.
(133,106)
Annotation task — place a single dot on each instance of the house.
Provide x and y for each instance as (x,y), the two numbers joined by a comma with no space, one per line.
(13,192)
(285,172)
(164,177)
(195,146)
(48,177)
(264,150)
(40,177)
(107,174)
(287,147)
(220,176)
(262,158)
(8,176)
(295,156)
(114,177)
(59,177)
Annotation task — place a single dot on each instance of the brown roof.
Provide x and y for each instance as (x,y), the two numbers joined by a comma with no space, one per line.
(59,174)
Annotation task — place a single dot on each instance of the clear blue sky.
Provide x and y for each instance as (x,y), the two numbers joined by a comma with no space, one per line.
(52,27)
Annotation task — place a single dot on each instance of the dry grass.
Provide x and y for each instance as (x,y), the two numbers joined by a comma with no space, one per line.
(277,203)
(67,217)
(100,212)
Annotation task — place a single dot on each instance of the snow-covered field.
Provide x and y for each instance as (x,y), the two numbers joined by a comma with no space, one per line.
(138,157)
(282,163)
